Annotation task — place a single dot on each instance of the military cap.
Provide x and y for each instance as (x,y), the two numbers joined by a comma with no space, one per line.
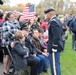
(49,10)
(25,28)
(23,24)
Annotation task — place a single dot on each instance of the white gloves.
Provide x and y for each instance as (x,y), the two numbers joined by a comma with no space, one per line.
(54,50)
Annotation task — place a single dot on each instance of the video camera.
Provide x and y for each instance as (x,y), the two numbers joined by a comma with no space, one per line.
(1,2)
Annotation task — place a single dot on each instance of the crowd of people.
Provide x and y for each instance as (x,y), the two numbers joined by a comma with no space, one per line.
(24,35)
(29,40)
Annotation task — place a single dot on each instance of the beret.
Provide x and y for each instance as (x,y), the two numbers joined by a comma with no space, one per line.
(48,10)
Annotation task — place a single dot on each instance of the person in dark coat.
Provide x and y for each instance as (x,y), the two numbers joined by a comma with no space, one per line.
(23,51)
(40,49)
(55,45)
(64,35)
(21,21)
(32,50)
(72,27)
(19,51)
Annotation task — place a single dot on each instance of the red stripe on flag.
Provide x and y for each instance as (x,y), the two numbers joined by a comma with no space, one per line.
(27,14)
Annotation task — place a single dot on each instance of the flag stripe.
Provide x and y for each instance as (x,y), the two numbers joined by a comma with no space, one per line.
(27,12)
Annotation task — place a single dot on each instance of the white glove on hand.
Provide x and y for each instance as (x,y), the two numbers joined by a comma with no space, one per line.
(54,50)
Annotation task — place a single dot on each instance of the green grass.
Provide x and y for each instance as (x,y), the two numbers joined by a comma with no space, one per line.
(67,60)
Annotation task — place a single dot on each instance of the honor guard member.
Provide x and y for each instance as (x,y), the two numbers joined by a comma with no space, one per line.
(55,45)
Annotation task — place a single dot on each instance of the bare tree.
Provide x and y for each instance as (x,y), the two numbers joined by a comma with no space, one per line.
(66,5)
(6,2)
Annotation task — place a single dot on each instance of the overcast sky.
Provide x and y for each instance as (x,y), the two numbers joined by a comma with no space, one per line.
(73,0)
(14,2)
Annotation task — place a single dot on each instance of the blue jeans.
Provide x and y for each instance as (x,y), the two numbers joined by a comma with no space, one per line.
(40,59)
(57,63)
(46,64)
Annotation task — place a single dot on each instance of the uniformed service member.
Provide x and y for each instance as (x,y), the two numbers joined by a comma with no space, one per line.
(55,45)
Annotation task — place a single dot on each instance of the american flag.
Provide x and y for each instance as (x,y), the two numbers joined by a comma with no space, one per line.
(29,12)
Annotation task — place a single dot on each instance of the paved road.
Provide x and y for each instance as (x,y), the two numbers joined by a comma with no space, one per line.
(1,69)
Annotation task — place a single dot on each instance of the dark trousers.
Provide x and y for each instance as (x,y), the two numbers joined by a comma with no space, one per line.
(33,64)
(57,63)
(63,45)
(1,55)
(73,41)
(40,60)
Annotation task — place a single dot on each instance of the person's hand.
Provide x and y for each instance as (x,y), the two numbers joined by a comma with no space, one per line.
(0,38)
(54,50)
(45,50)
(34,54)
(15,22)
(46,40)
(27,54)
(45,54)
(12,44)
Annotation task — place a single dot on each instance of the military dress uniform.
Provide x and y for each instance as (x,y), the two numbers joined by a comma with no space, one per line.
(55,44)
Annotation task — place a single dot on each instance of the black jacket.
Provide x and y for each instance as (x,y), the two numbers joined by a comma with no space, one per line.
(18,52)
(39,47)
(55,35)
(72,26)
(29,44)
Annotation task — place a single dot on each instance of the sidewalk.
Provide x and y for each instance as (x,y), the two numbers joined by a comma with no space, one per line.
(1,69)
